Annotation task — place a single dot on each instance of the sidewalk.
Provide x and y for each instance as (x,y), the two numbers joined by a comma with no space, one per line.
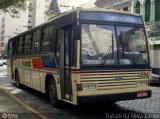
(9,108)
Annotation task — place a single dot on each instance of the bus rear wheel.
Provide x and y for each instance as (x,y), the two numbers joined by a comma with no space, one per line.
(52,92)
(18,84)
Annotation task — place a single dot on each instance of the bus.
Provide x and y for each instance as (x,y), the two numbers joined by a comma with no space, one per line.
(155,63)
(82,56)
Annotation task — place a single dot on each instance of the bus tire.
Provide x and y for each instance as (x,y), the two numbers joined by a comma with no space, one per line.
(18,84)
(52,92)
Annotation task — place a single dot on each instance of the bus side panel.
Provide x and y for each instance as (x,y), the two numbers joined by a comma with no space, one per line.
(75,80)
(9,69)
(35,72)
(10,60)
(35,77)
(155,62)
(27,74)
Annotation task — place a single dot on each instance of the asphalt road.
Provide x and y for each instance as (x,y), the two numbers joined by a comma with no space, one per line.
(135,109)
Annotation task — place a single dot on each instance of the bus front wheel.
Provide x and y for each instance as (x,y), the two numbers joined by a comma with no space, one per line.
(53,93)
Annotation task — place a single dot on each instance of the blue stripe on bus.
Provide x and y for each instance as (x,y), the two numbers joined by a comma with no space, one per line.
(48,61)
(156,71)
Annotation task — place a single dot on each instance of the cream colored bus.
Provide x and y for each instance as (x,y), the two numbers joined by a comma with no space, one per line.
(84,56)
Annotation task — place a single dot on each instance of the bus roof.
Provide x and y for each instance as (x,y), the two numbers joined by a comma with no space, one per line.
(76,10)
(108,10)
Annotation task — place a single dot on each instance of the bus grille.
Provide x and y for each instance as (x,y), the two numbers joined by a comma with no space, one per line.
(110,81)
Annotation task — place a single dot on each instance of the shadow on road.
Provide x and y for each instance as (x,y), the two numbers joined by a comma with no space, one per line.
(98,110)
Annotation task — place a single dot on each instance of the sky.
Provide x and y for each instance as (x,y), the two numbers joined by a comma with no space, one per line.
(70,4)
(77,2)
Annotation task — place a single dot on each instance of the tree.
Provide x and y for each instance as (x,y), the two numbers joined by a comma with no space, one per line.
(13,7)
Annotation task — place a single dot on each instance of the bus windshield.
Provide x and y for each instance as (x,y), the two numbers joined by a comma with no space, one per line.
(113,45)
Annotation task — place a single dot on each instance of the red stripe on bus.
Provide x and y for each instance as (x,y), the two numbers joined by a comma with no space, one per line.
(37,63)
(74,72)
(109,71)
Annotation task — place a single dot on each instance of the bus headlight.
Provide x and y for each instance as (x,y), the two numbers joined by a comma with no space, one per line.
(142,83)
(89,87)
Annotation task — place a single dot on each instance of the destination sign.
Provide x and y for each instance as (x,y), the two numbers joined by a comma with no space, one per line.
(110,16)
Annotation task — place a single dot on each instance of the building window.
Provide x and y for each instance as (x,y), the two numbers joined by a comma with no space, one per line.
(2,44)
(125,9)
(157,10)
(29,21)
(29,15)
(29,27)
(30,7)
(137,7)
(147,11)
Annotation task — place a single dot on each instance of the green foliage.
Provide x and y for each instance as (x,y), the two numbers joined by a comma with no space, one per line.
(13,6)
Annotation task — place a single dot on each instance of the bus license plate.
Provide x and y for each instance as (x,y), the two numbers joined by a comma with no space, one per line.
(142,94)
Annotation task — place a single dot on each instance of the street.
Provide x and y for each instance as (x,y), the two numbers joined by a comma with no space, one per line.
(21,103)
(79,51)
(9,108)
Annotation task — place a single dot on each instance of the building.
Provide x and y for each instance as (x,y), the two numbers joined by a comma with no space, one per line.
(10,27)
(2,31)
(52,8)
(150,10)
(36,12)
(124,5)
(88,4)
(60,6)
(28,18)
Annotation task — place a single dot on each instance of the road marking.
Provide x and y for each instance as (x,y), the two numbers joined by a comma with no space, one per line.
(24,104)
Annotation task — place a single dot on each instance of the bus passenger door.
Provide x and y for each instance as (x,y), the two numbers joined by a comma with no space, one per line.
(65,56)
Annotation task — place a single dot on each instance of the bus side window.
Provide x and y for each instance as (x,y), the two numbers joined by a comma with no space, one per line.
(14,47)
(51,37)
(20,49)
(58,45)
(68,37)
(36,42)
(47,39)
(27,44)
(9,52)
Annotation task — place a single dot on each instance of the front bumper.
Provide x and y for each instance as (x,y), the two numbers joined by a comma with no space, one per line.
(112,97)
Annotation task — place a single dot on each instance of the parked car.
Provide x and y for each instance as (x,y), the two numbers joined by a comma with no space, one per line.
(4,61)
(1,62)
(155,79)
